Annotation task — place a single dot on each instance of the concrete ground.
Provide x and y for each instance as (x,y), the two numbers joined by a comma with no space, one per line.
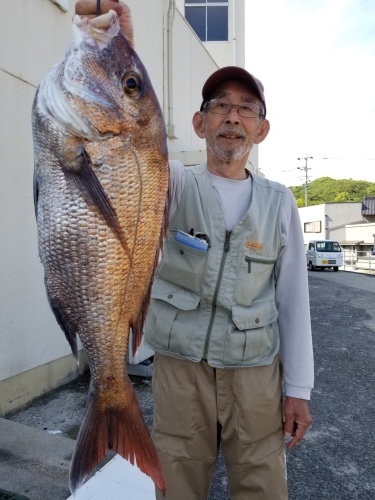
(336,461)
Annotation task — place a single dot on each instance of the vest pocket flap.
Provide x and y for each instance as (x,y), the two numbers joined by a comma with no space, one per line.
(258,315)
(175,295)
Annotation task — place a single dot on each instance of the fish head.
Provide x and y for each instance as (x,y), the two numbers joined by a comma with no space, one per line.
(101,88)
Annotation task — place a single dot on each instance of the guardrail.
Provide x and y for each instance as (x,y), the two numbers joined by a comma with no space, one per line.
(359,260)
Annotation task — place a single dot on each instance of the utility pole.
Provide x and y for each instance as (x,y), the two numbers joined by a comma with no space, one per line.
(305,169)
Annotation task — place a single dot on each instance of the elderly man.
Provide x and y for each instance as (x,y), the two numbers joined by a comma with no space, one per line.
(229,311)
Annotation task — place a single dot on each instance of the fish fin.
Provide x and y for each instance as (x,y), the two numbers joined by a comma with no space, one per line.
(36,195)
(137,327)
(65,324)
(166,211)
(84,177)
(118,428)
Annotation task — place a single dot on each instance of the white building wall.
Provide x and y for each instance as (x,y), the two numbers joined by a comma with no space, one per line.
(231,52)
(34,355)
(189,72)
(333,218)
(361,232)
(185,43)
(314,213)
(338,215)
(33,36)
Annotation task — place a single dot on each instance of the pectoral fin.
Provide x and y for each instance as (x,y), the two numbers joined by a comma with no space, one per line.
(78,169)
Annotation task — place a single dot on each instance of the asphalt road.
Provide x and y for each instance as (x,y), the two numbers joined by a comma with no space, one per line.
(336,461)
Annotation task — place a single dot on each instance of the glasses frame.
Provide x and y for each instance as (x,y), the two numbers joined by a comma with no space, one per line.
(206,107)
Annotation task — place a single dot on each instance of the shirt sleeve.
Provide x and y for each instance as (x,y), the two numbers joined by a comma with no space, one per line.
(176,185)
(292,300)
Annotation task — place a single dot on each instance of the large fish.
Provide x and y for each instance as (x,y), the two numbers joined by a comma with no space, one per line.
(101,183)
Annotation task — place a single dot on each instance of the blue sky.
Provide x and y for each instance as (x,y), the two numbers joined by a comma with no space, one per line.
(316,59)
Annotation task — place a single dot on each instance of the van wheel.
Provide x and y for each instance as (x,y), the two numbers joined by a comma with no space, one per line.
(336,269)
(311,267)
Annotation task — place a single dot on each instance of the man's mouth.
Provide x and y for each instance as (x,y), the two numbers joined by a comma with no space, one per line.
(230,135)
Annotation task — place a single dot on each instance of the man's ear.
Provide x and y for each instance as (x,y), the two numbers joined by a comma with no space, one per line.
(199,124)
(264,128)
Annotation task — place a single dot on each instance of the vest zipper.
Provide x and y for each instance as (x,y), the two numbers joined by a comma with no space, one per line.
(226,248)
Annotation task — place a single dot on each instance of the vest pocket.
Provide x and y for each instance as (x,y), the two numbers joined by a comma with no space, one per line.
(171,315)
(182,265)
(253,338)
(253,275)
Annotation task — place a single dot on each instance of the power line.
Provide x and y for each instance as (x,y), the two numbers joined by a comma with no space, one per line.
(305,168)
(346,159)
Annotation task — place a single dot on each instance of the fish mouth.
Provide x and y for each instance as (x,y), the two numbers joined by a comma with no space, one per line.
(101,22)
(102,28)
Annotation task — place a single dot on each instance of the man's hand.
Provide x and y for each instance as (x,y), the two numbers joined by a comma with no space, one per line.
(87,8)
(297,419)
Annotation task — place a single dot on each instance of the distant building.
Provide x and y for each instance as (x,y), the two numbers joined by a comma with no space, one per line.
(368,208)
(351,224)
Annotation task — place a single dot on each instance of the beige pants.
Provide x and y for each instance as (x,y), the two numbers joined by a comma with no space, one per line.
(197,407)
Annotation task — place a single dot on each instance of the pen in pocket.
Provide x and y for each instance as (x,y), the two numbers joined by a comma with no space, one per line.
(191,241)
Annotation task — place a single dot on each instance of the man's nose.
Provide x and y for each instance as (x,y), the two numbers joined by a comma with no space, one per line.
(233,116)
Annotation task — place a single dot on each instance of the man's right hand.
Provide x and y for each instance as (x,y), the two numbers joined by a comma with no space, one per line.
(87,8)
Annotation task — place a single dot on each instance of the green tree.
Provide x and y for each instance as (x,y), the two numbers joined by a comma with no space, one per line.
(342,197)
(328,190)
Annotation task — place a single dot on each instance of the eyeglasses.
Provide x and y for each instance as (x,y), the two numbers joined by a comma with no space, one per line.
(247,110)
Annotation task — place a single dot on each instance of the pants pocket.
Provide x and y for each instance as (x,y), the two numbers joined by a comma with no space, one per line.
(174,393)
(260,414)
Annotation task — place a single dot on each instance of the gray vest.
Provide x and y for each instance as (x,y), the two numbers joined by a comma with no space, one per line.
(219,304)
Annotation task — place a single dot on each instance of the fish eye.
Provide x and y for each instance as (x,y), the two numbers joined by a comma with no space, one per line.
(132,84)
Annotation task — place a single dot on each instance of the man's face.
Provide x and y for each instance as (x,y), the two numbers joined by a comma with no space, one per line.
(230,137)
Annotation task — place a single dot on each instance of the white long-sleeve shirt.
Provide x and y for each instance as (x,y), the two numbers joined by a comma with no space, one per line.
(292,297)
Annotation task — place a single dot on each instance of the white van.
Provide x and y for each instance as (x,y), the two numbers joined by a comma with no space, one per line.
(324,254)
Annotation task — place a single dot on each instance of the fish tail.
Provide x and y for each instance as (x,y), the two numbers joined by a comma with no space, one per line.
(120,428)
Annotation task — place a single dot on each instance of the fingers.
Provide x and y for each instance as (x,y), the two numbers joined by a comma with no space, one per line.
(87,8)
(126,23)
(297,435)
(289,420)
(297,419)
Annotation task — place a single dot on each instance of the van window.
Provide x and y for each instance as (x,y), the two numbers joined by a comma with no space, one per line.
(328,246)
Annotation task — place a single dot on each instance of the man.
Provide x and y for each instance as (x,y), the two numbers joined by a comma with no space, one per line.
(229,294)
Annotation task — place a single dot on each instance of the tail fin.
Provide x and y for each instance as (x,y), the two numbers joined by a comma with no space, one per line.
(119,428)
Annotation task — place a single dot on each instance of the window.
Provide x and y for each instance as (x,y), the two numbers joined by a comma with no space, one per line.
(328,246)
(312,227)
(208,18)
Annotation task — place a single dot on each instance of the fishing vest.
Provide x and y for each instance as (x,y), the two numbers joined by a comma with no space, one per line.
(219,304)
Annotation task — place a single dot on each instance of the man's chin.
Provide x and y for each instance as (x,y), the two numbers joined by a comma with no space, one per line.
(229,155)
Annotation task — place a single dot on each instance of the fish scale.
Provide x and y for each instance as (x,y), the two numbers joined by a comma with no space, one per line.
(101,184)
